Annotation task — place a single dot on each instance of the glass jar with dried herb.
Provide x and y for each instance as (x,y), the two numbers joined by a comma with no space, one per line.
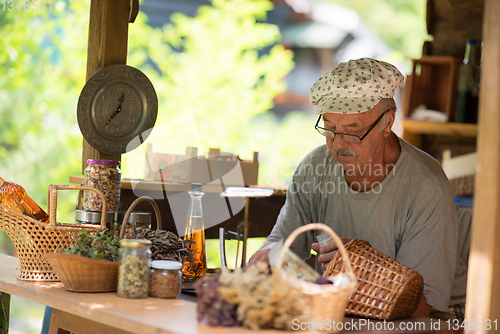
(166,279)
(104,175)
(133,273)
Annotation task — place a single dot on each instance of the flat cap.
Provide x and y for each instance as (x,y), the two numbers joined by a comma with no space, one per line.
(355,86)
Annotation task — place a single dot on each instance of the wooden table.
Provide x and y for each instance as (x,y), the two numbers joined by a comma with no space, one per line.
(84,313)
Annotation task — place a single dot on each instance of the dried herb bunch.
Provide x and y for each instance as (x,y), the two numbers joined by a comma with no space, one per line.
(165,245)
(254,298)
(100,245)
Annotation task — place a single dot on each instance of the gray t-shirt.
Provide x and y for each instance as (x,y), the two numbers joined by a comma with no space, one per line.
(410,216)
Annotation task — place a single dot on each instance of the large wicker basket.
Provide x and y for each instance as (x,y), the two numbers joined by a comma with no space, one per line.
(386,290)
(33,239)
(321,302)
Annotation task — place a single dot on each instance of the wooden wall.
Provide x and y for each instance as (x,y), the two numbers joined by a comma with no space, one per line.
(451,23)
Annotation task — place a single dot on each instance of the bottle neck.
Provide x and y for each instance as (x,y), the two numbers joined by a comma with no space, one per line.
(470,53)
(195,208)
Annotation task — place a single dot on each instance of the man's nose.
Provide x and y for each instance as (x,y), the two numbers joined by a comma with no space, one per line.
(339,142)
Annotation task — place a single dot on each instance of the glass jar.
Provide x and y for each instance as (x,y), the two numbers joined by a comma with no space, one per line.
(104,175)
(136,218)
(166,279)
(133,274)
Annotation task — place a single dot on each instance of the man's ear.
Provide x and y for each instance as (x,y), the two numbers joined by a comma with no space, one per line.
(391,117)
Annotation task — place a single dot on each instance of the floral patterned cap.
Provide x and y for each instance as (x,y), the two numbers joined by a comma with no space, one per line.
(355,86)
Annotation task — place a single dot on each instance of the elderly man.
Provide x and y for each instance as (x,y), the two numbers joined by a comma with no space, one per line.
(367,183)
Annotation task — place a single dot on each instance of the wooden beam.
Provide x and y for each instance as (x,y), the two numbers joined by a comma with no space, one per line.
(107,45)
(483,290)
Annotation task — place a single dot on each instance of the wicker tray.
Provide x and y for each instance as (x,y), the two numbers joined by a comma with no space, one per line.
(321,302)
(387,289)
(33,239)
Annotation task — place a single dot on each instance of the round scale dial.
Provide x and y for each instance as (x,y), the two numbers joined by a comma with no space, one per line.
(117,109)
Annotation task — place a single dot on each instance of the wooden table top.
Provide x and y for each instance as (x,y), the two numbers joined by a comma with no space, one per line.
(150,315)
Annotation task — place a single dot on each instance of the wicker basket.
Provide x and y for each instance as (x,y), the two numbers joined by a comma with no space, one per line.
(83,274)
(33,239)
(387,289)
(321,302)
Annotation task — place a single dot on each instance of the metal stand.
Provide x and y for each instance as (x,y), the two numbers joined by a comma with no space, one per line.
(242,232)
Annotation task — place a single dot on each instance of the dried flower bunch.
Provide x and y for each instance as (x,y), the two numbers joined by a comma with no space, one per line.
(254,298)
(165,245)
(101,246)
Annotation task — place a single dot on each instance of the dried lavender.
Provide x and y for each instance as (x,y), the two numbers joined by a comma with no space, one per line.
(212,308)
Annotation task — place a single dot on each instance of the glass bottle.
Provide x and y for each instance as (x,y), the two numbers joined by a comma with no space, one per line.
(15,197)
(195,230)
(467,90)
(133,274)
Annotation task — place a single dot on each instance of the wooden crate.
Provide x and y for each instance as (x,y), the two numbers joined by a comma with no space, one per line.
(433,82)
(190,167)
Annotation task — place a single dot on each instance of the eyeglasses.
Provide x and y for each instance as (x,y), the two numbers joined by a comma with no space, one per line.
(352,139)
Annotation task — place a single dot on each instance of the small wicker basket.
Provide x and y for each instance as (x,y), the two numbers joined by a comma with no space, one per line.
(387,289)
(321,302)
(33,239)
(83,274)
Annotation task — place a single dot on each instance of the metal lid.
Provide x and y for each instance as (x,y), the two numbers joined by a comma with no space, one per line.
(92,217)
(135,242)
(166,264)
(103,162)
(139,217)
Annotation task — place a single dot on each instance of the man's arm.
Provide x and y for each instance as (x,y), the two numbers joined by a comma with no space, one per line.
(423,309)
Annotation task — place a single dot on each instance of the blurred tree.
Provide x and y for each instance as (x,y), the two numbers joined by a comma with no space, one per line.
(400,23)
(209,66)
(42,69)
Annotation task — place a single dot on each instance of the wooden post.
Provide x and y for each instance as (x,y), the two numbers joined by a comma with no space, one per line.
(4,312)
(107,45)
(483,290)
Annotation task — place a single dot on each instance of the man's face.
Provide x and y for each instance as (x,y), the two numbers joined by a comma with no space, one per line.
(353,157)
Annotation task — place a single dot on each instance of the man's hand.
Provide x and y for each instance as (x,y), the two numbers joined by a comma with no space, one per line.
(262,254)
(327,251)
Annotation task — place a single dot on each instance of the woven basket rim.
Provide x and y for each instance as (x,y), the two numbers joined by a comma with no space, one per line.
(80,258)
(322,288)
(62,226)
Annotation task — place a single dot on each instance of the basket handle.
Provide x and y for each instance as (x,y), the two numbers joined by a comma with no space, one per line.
(52,201)
(132,207)
(314,226)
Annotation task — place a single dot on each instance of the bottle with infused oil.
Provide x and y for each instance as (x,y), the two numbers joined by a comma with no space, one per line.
(195,230)
(15,197)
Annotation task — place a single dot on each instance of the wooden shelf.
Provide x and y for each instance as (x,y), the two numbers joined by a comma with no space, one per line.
(172,187)
(413,130)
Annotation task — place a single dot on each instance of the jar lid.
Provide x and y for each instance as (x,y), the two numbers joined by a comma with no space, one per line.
(135,242)
(166,264)
(103,162)
(92,217)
